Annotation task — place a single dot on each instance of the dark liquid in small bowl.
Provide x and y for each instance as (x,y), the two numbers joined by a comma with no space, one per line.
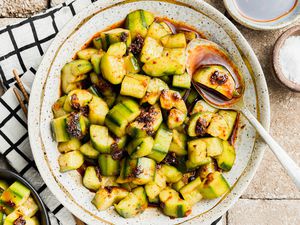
(265,10)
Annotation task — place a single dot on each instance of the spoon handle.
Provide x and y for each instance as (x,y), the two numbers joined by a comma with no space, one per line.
(290,166)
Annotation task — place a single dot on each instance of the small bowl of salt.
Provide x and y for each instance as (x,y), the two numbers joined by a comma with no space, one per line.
(286,58)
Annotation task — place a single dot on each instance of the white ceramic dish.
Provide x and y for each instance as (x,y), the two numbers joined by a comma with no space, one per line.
(271,25)
(67,187)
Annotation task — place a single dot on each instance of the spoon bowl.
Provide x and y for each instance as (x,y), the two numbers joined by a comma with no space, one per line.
(200,53)
(204,53)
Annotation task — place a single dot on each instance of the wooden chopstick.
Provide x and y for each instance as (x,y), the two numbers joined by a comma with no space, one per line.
(17,77)
(78,221)
(20,100)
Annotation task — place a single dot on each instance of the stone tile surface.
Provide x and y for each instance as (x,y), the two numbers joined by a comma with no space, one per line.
(8,21)
(21,8)
(260,212)
(56,2)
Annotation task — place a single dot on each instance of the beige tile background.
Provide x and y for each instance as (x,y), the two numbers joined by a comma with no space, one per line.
(271,198)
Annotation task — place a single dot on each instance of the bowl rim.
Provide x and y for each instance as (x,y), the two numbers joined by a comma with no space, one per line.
(256,26)
(235,34)
(276,63)
(18,177)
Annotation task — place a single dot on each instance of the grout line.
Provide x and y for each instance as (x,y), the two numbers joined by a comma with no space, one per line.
(48,4)
(227,218)
(271,199)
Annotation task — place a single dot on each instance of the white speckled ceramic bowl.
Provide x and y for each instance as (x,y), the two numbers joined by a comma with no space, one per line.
(281,22)
(67,187)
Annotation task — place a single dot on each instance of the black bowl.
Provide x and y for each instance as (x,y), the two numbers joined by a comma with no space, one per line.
(10,176)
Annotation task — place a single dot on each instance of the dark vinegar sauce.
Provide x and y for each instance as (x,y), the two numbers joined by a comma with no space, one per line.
(265,10)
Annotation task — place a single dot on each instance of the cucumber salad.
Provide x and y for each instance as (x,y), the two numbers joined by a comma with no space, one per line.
(17,207)
(131,123)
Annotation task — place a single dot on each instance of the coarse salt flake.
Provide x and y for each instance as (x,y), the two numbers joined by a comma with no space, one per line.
(289,59)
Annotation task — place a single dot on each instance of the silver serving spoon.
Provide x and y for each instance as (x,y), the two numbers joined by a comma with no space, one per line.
(201,52)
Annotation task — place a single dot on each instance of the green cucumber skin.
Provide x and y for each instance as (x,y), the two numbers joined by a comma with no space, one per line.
(180,212)
(143,19)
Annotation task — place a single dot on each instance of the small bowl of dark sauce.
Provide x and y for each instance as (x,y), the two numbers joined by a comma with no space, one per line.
(264,14)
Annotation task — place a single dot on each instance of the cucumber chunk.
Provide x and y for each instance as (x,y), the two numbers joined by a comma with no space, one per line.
(100,138)
(176,118)
(91,179)
(106,197)
(15,195)
(77,99)
(214,146)
(214,185)
(154,89)
(152,49)
(189,35)
(121,115)
(202,106)
(198,124)
(138,22)
(217,78)
(197,155)
(133,204)
(130,206)
(177,55)
(96,60)
(71,145)
(113,36)
(97,43)
(158,30)
(70,161)
(59,129)
(113,68)
(171,99)
(140,147)
(97,110)
(29,208)
(207,169)
(135,85)
(127,170)
(117,49)
(162,66)
(57,107)
(154,187)
(141,194)
(222,124)
(108,166)
(173,205)
(86,53)
(182,81)
(131,64)
(191,193)
(171,173)
(162,142)
(108,181)
(105,88)
(178,144)
(226,159)
(74,72)
(144,171)
(88,151)
(146,123)
(76,125)
(174,40)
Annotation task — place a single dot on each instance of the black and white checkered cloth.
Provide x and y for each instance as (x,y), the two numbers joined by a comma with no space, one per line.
(22,46)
